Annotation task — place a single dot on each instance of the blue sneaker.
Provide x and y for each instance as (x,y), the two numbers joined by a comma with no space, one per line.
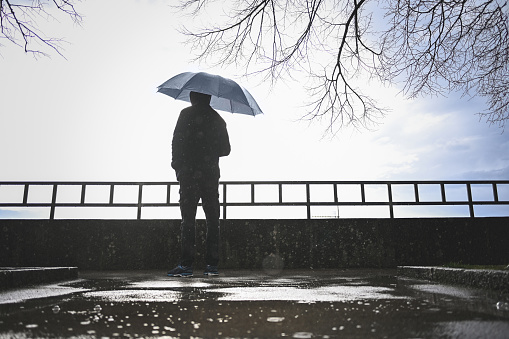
(211,271)
(181,271)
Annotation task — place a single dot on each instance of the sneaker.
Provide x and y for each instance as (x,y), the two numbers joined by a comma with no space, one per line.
(181,271)
(211,271)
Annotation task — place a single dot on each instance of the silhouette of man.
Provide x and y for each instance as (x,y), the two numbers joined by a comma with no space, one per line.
(199,139)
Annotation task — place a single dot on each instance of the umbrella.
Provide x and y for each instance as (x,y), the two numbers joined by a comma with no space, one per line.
(226,94)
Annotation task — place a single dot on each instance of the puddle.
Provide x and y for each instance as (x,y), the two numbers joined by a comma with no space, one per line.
(45,291)
(149,306)
(170,283)
(135,295)
(322,294)
(453,291)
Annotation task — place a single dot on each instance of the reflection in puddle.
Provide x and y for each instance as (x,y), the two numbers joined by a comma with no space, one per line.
(44,291)
(453,291)
(275,319)
(328,293)
(175,283)
(135,295)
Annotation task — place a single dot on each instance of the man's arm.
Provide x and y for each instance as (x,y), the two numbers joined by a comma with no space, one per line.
(224,141)
(177,143)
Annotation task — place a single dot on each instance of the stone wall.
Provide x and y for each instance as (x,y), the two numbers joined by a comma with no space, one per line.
(253,244)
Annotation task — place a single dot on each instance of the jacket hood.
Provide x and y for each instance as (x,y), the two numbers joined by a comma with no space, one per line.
(199,98)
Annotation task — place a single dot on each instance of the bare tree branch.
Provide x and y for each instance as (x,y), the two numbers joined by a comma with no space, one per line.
(431,47)
(19,23)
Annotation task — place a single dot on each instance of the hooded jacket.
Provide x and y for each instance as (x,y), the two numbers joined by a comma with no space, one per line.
(200,137)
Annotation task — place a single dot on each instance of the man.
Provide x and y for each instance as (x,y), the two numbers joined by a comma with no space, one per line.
(199,139)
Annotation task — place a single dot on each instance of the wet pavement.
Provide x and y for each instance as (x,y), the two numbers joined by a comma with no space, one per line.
(252,304)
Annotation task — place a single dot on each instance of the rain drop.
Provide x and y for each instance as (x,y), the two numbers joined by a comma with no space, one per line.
(56,309)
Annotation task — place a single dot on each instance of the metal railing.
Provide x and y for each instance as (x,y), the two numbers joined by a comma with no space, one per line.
(384,197)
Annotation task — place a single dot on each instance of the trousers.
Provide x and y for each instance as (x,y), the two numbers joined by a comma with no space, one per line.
(194,186)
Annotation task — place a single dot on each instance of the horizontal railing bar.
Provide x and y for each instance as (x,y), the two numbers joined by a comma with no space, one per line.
(367,203)
(318,182)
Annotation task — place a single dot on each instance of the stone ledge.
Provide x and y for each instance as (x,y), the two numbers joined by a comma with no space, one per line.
(486,279)
(13,277)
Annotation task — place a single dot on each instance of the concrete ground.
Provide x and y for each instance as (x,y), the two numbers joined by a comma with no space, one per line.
(352,303)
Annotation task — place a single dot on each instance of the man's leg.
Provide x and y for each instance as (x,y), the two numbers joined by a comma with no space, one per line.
(210,199)
(189,197)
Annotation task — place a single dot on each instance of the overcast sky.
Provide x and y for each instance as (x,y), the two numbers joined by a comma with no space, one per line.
(96,115)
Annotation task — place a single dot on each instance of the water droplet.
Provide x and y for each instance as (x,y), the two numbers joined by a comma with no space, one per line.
(97,308)
(56,309)
(275,319)
(302,335)
(32,326)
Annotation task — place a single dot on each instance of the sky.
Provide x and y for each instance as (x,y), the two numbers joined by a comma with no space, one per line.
(95,115)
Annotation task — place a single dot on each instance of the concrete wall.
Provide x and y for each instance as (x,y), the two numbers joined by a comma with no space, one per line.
(247,244)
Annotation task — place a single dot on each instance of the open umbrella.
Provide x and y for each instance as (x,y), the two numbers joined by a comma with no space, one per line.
(226,94)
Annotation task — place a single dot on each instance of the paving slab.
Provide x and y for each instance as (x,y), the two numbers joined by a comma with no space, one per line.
(352,303)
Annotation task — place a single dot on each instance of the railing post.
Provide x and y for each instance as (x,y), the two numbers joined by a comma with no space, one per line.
(495,192)
(470,202)
(308,201)
(224,201)
(140,192)
(112,192)
(25,194)
(416,192)
(391,207)
(53,201)
(83,192)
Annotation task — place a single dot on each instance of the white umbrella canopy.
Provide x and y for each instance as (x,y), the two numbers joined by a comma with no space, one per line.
(226,94)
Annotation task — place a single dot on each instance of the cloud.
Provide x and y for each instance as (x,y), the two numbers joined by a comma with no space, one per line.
(444,139)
